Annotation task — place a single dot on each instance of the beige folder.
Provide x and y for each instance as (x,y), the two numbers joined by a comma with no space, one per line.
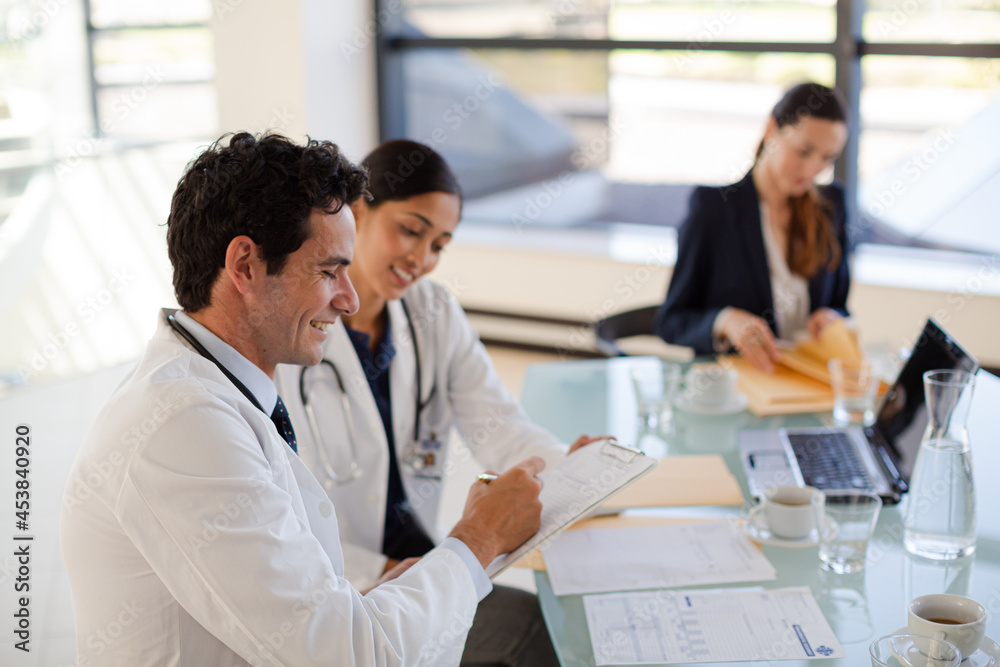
(680,481)
(783,392)
(801,381)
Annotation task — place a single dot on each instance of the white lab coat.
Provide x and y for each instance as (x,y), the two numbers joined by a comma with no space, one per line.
(193,536)
(469,397)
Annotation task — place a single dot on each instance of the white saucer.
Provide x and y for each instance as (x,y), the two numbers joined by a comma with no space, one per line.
(755,527)
(988,654)
(738,403)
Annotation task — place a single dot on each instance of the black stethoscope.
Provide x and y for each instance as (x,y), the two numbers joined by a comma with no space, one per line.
(421,455)
(203,351)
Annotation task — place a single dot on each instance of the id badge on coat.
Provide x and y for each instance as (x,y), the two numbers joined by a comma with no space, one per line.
(425,458)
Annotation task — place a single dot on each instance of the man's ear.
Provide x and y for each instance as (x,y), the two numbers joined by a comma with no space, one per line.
(243,263)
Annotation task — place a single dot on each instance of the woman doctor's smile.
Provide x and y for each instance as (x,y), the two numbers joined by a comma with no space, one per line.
(399,242)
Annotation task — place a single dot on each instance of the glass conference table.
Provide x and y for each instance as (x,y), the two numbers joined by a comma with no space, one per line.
(596,397)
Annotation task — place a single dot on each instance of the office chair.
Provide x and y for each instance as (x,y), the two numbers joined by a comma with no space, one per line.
(636,322)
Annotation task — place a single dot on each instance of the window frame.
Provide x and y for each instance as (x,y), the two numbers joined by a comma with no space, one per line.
(847,50)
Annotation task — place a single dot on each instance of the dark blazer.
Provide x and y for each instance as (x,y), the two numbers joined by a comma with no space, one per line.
(721,261)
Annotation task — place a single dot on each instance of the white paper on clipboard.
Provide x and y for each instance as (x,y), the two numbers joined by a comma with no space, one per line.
(574,486)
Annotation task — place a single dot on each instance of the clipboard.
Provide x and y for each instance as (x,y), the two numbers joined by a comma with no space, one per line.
(575,486)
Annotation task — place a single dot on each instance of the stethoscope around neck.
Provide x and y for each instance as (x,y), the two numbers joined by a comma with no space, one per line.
(354,471)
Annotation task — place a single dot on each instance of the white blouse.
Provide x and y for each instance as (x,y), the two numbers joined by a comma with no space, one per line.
(790,291)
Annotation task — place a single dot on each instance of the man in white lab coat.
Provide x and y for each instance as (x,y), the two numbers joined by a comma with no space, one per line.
(192,534)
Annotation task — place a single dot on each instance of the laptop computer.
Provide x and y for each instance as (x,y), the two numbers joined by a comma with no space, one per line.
(878,457)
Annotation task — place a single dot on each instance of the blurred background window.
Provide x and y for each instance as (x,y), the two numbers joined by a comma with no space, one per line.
(102,102)
(586,112)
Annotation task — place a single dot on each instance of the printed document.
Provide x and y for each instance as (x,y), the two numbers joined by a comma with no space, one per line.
(708,626)
(574,486)
(664,556)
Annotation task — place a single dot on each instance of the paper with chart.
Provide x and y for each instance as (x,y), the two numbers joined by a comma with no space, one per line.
(622,559)
(576,485)
(708,626)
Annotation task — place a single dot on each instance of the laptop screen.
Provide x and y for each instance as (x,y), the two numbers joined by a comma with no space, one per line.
(903,416)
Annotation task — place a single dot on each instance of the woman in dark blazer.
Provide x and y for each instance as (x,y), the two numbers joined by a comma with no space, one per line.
(742,279)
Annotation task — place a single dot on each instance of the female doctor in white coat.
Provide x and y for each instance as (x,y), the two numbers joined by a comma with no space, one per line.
(373,420)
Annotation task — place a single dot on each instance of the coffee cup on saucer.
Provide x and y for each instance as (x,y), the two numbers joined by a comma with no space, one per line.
(710,386)
(792,512)
(954,618)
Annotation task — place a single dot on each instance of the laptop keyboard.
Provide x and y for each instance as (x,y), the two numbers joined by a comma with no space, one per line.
(829,461)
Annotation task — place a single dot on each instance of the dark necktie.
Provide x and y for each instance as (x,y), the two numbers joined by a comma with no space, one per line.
(284,424)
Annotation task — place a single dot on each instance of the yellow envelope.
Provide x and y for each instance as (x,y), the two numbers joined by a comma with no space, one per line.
(810,357)
(681,481)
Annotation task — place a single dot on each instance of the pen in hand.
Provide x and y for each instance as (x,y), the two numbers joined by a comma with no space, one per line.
(486,477)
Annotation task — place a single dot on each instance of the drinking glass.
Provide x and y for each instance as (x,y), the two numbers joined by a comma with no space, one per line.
(655,388)
(851,516)
(854,388)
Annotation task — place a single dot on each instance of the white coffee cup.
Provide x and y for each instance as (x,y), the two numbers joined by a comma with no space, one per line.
(710,384)
(956,619)
(792,511)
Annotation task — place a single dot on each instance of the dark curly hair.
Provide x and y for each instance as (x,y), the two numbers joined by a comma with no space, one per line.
(264,187)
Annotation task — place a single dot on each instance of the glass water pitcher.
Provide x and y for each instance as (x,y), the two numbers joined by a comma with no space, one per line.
(940,520)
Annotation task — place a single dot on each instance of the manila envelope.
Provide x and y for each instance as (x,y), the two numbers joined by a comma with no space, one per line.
(680,481)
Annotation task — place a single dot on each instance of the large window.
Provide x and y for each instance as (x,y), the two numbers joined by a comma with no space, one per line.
(570,112)
(152,69)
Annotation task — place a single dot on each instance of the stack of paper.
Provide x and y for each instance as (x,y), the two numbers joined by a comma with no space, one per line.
(708,626)
(536,561)
(573,487)
(621,559)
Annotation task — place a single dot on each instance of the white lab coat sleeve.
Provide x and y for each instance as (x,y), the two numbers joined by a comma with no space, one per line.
(362,566)
(491,421)
(209,513)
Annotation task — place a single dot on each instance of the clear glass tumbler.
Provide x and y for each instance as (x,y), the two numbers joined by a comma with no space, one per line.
(940,519)
(854,388)
(655,388)
(851,517)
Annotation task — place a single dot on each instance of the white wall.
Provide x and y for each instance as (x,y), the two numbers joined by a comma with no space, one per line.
(299,67)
